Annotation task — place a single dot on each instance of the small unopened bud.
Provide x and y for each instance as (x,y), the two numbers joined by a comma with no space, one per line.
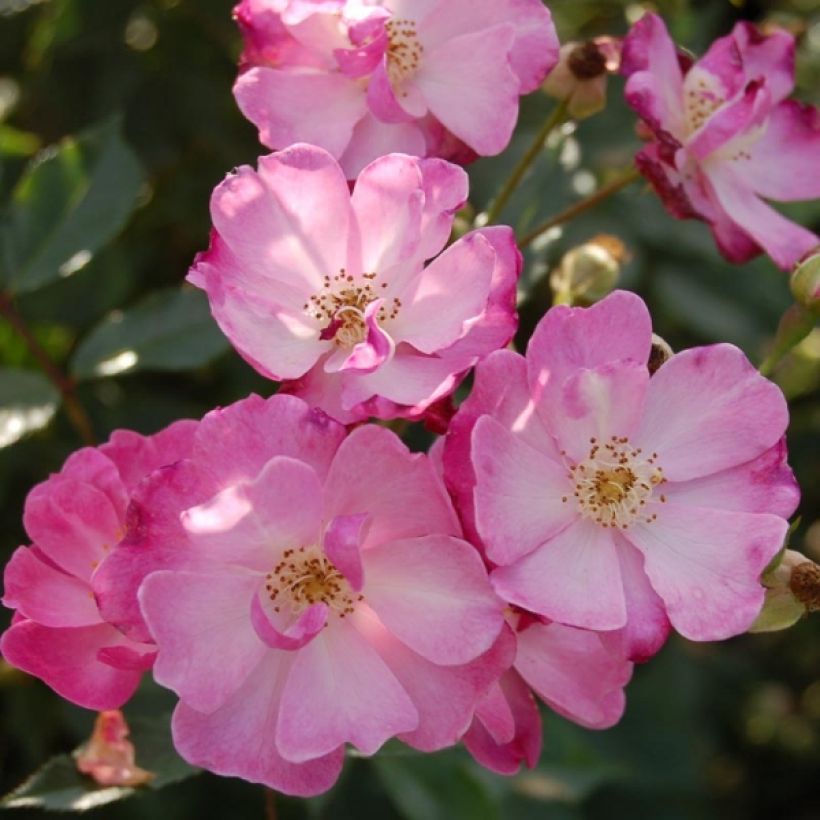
(660,353)
(792,589)
(805,283)
(579,78)
(109,757)
(590,271)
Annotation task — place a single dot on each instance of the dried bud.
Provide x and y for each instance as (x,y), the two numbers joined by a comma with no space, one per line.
(590,271)
(579,78)
(805,283)
(661,352)
(109,757)
(805,584)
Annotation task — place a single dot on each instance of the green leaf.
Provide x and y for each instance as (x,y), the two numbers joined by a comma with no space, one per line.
(435,787)
(73,198)
(58,786)
(28,402)
(170,330)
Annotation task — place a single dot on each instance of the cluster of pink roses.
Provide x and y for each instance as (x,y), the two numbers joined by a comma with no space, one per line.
(297,576)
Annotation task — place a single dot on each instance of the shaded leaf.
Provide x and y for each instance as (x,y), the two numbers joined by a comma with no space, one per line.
(435,787)
(28,402)
(58,786)
(73,198)
(170,330)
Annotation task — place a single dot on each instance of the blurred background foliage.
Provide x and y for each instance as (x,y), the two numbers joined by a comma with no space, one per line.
(116,121)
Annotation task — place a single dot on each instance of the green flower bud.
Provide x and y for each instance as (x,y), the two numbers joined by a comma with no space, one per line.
(805,283)
(588,272)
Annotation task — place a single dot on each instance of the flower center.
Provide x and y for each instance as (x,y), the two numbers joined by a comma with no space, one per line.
(403,50)
(701,100)
(341,303)
(614,482)
(304,577)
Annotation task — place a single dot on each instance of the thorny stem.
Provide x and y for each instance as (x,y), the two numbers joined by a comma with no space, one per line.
(583,205)
(556,117)
(74,410)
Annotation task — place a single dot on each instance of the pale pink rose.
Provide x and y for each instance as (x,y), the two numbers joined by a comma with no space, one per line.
(361,79)
(328,290)
(726,137)
(305,591)
(613,501)
(75,519)
(574,671)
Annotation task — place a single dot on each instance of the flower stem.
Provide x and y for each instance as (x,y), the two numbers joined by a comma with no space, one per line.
(556,117)
(795,324)
(74,410)
(584,205)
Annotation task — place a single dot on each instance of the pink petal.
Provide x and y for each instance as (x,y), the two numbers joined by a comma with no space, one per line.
(201,623)
(279,343)
(340,691)
(375,473)
(647,626)
(94,466)
(535,47)
(134,657)
(46,594)
(451,291)
(597,405)
(470,88)
(785,241)
(136,456)
(525,745)
(706,565)
(708,409)
(73,523)
(765,484)
(410,378)
(237,739)
(445,696)
(783,164)
(405,207)
(373,139)
(342,542)
(235,442)
(285,225)
(290,106)
(66,660)
(655,85)
(499,320)
(574,673)
(402,104)
(566,339)
(574,578)
(251,524)
(274,631)
(518,493)
(770,56)
(500,390)
(432,593)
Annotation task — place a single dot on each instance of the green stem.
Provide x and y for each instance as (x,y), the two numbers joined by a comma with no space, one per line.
(579,207)
(74,409)
(556,117)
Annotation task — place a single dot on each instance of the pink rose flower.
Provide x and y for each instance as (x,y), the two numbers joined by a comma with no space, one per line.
(726,137)
(574,671)
(75,518)
(305,590)
(328,291)
(613,501)
(361,79)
